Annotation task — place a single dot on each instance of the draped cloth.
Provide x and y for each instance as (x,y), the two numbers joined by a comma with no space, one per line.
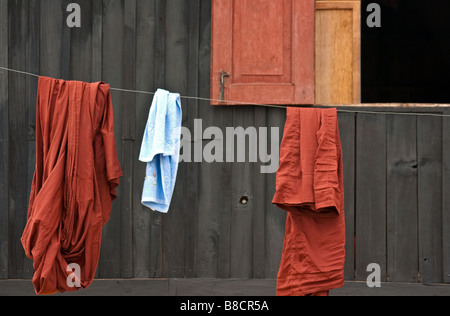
(309,186)
(76,175)
(160,149)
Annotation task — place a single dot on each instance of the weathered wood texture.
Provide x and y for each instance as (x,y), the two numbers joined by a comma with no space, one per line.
(396,167)
(201,287)
(337,52)
(266,48)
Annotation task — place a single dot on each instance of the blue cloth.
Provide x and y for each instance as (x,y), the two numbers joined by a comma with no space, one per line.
(161,150)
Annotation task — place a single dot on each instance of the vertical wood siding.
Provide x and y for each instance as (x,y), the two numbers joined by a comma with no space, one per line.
(396,167)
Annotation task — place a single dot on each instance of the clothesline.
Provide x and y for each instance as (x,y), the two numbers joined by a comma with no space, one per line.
(256,104)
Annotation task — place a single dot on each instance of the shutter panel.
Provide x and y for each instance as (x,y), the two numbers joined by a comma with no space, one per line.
(338,51)
(262,51)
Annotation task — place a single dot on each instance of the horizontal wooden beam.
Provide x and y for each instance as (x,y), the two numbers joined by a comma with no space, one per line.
(391,105)
(220,287)
(228,103)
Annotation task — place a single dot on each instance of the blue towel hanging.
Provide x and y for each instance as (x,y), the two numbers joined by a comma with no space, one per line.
(161,150)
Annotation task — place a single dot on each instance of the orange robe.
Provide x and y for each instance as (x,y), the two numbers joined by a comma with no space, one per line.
(77,172)
(309,186)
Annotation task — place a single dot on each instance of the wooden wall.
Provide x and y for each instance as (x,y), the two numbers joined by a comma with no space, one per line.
(396,166)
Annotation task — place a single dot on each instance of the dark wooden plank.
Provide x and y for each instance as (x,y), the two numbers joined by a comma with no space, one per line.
(160,43)
(28,270)
(370,209)
(81,44)
(128,134)
(259,186)
(33,67)
(32,84)
(103,287)
(97,18)
(51,27)
(347,128)
(212,246)
(125,287)
(275,217)
(20,40)
(176,79)
(4,141)
(220,287)
(391,289)
(156,265)
(223,215)
(190,111)
(213,207)
(213,211)
(401,193)
(129,70)
(429,151)
(66,42)
(126,209)
(143,243)
(446,197)
(266,217)
(156,239)
(242,212)
(110,263)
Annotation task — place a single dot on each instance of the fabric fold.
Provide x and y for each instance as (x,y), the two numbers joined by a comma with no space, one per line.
(160,149)
(309,186)
(76,175)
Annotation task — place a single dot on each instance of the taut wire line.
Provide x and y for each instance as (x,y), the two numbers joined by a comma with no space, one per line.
(254,104)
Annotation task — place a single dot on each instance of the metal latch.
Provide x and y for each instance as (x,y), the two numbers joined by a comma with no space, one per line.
(223,75)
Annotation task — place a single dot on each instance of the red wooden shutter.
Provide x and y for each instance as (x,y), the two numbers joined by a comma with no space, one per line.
(262,51)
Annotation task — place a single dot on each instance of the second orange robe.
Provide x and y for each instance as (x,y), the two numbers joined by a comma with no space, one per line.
(309,186)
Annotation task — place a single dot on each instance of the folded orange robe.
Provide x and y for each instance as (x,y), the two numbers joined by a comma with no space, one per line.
(77,172)
(309,185)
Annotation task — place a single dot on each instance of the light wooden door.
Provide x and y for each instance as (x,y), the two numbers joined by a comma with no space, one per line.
(337,52)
